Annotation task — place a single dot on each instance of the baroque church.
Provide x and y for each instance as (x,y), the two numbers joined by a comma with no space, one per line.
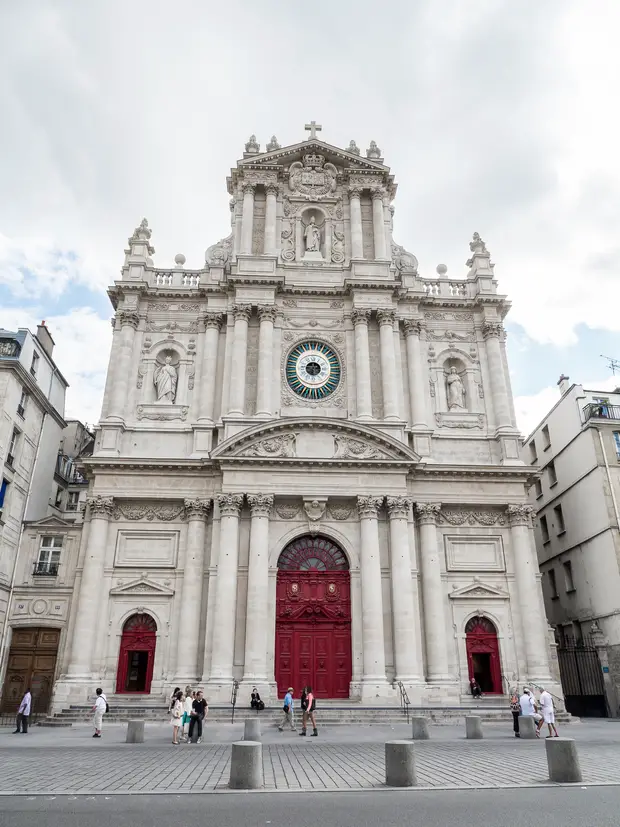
(307,466)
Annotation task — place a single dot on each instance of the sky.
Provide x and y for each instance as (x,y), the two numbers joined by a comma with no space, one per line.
(494,116)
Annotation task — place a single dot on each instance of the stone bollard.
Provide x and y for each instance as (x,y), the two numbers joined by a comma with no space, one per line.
(135,732)
(251,730)
(399,764)
(563,761)
(473,727)
(527,726)
(246,765)
(420,729)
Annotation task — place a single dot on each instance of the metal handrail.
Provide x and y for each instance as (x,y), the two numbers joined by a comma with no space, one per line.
(404,699)
(233,699)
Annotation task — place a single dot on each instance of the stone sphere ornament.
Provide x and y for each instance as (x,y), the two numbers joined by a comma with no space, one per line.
(179,259)
(442,269)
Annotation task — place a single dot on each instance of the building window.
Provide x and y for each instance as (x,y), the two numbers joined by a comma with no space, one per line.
(10,459)
(533,453)
(544,528)
(538,489)
(568,576)
(552,584)
(21,408)
(546,438)
(559,519)
(553,477)
(49,556)
(4,488)
(35,364)
(73,499)
(617,443)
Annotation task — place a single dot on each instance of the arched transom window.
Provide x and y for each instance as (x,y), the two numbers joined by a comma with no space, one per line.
(312,554)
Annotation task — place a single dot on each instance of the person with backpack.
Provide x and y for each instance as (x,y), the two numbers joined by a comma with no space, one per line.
(515,708)
(100,708)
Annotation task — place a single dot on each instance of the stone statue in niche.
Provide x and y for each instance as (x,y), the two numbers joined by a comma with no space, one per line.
(313,237)
(165,380)
(455,391)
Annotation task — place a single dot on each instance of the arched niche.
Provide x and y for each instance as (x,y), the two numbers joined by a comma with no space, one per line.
(323,222)
(154,358)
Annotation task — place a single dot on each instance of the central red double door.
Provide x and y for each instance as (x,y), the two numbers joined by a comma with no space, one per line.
(313,632)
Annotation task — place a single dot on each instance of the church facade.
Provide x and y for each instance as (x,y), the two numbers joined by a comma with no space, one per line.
(307,465)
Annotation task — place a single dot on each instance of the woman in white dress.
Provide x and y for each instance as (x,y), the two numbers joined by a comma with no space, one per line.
(177,714)
(187,714)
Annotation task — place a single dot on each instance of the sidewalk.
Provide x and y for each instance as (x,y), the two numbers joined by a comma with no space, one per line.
(71,762)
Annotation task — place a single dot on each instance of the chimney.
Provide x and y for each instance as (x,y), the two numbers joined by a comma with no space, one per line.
(45,339)
(563,384)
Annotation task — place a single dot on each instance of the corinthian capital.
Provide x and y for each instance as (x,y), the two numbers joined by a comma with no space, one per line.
(398,507)
(197,509)
(272,189)
(427,513)
(230,504)
(360,316)
(492,329)
(128,318)
(248,186)
(386,317)
(242,311)
(521,514)
(369,506)
(267,312)
(377,195)
(260,504)
(100,507)
(414,327)
(213,320)
(355,192)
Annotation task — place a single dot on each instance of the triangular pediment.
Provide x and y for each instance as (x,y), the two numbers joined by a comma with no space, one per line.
(286,155)
(315,441)
(51,523)
(478,590)
(142,586)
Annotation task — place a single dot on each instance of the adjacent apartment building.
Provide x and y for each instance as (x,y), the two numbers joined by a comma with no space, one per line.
(576,495)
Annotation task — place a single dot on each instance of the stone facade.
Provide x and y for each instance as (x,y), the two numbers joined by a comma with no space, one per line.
(306,382)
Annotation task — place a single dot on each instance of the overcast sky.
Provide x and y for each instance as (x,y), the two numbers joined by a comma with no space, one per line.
(497,117)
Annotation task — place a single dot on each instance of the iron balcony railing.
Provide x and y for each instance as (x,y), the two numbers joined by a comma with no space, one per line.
(600,410)
(46,569)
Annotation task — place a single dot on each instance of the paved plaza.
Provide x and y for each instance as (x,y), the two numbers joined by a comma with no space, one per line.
(70,762)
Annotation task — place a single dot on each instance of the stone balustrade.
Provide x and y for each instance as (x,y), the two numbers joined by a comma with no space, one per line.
(176,278)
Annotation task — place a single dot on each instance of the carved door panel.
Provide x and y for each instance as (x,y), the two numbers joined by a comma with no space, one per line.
(137,655)
(31,663)
(323,666)
(284,659)
(483,661)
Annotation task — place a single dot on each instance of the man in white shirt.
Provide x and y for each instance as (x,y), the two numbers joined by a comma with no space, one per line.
(528,709)
(23,713)
(100,708)
(548,713)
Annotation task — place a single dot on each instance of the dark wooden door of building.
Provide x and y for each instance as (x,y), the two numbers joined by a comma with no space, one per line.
(31,663)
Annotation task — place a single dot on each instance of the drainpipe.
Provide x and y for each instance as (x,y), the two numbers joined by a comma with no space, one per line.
(611,487)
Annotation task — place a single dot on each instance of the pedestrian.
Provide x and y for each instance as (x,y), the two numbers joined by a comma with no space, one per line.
(311,703)
(255,701)
(173,697)
(199,712)
(474,687)
(515,708)
(177,714)
(187,713)
(23,713)
(288,709)
(548,712)
(100,708)
(528,709)
(303,703)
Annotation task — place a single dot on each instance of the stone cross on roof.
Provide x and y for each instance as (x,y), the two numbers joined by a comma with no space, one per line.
(313,127)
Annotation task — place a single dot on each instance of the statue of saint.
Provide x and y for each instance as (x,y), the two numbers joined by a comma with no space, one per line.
(165,381)
(313,237)
(456,390)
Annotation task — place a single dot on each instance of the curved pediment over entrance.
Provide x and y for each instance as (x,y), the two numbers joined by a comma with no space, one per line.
(311,440)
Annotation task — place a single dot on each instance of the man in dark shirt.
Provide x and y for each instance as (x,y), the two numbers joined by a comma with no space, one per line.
(198,714)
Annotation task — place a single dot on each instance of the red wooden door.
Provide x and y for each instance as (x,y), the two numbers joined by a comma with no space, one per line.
(137,655)
(483,659)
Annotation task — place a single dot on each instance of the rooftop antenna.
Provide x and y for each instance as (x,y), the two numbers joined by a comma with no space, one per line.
(614,364)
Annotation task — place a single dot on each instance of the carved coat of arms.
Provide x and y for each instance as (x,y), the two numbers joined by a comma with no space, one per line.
(313,178)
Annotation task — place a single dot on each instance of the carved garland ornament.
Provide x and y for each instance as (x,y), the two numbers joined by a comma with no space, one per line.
(487,518)
(165,513)
(287,512)
(277,446)
(346,447)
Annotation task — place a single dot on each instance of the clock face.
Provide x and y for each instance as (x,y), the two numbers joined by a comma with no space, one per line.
(312,370)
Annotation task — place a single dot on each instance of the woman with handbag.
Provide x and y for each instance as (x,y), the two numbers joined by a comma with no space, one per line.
(177,715)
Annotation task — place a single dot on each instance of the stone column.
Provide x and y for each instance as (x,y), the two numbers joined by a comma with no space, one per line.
(188,671)
(357,233)
(226,591)
(208,371)
(378,225)
(418,387)
(362,363)
(123,368)
(407,659)
(247,219)
(388,364)
(269,247)
(373,642)
(257,612)
(492,333)
(89,596)
(267,315)
(236,403)
(432,594)
(533,622)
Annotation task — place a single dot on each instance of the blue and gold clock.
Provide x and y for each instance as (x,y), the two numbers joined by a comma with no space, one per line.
(313,370)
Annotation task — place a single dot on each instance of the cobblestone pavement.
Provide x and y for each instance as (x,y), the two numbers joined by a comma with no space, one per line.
(69,762)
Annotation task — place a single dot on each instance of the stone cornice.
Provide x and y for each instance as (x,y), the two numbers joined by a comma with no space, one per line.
(30,383)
